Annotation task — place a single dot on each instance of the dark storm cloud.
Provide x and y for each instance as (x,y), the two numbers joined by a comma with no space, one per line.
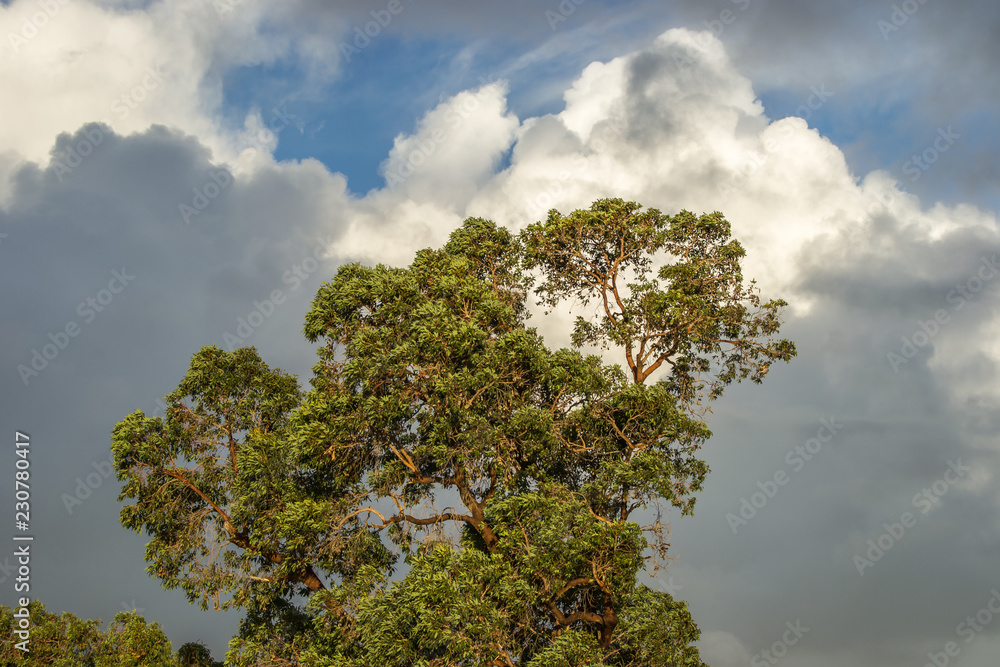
(109,292)
(898,271)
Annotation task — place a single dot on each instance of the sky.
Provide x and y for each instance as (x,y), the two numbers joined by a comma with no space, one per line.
(184,173)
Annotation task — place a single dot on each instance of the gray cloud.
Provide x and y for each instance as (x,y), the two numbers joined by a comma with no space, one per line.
(178,287)
(795,557)
(120,210)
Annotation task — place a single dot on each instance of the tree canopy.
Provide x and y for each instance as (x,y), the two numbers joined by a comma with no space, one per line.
(450,490)
(67,641)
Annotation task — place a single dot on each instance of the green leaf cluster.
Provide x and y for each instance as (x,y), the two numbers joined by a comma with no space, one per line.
(67,641)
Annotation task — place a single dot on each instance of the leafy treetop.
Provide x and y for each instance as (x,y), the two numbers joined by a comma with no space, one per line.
(67,641)
(444,442)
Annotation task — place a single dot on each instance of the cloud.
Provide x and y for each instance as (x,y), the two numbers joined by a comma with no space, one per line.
(211,227)
(133,66)
(722,649)
(455,148)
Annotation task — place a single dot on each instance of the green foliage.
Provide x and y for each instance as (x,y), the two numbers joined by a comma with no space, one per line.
(67,641)
(204,478)
(195,654)
(129,642)
(702,319)
(452,491)
(59,641)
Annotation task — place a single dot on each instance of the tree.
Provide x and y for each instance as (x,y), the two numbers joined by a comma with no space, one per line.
(60,641)
(195,654)
(67,641)
(451,491)
(130,642)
